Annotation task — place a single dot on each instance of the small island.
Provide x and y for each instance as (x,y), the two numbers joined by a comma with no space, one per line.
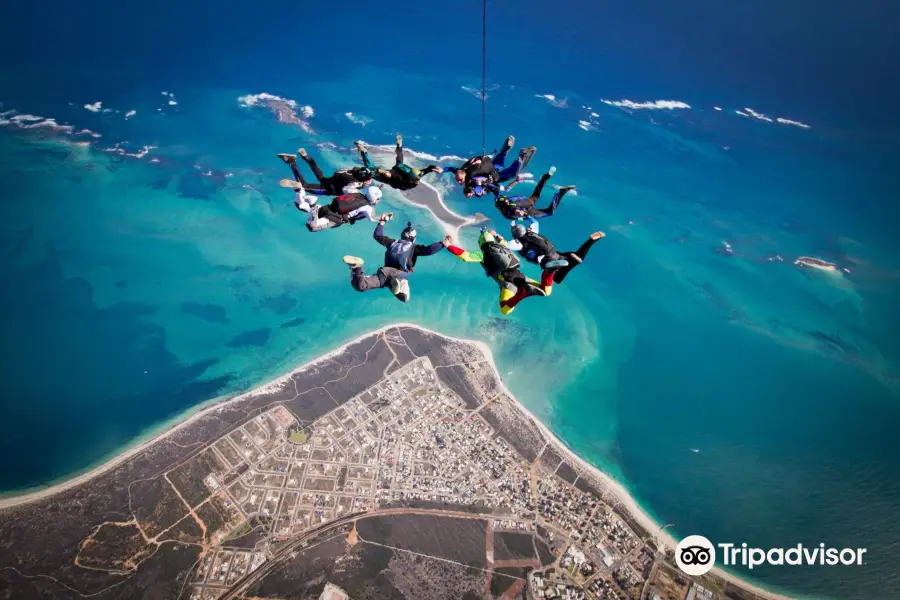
(397,466)
(816,263)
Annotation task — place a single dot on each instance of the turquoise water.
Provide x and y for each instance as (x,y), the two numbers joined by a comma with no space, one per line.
(138,289)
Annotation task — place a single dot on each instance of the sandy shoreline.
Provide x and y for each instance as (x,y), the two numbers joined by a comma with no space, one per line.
(645,520)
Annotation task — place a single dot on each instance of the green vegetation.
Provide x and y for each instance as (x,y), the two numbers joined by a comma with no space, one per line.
(299,436)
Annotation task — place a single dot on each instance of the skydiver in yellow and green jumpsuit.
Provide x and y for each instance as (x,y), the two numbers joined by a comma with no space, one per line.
(502,265)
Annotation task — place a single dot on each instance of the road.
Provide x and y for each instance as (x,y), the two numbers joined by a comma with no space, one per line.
(248,580)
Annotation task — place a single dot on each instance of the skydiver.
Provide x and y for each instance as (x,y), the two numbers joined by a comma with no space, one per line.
(537,249)
(502,266)
(399,261)
(513,207)
(346,208)
(343,181)
(401,176)
(483,174)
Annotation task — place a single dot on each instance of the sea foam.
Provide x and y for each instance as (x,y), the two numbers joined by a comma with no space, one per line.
(794,123)
(655,105)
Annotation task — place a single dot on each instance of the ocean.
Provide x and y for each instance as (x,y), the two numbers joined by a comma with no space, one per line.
(735,394)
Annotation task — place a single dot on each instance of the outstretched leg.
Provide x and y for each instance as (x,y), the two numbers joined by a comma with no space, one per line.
(500,158)
(364,155)
(398,151)
(320,219)
(576,258)
(312,188)
(514,169)
(325,181)
(554,204)
(515,287)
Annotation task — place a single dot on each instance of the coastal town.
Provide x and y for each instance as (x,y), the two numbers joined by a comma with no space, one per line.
(409,444)
(397,466)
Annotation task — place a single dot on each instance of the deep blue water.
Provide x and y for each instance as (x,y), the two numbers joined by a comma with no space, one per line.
(136,290)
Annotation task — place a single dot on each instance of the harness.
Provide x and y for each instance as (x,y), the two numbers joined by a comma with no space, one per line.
(400,255)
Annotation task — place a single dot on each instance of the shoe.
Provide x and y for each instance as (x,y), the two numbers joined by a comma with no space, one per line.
(354,261)
(400,289)
(290,184)
(302,153)
(566,188)
(360,145)
(510,140)
(597,235)
(400,140)
(508,286)
(575,258)
(551,171)
(534,290)
(288,158)
(555,264)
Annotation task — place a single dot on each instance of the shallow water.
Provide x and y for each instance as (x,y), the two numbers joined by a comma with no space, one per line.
(138,289)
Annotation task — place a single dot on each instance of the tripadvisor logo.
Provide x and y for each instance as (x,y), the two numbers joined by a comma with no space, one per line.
(695,555)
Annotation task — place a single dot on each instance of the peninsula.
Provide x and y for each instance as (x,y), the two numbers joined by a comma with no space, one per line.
(397,466)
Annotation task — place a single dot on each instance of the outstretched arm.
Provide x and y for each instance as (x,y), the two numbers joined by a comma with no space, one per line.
(423,250)
(464,255)
(379,235)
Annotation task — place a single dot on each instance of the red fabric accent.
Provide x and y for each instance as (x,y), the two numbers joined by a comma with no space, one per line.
(455,250)
(520,295)
(546,279)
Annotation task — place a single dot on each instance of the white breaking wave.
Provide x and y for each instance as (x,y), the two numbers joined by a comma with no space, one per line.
(172,102)
(93,134)
(118,149)
(794,123)
(564,103)
(743,114)
(717,108)
(95,107)
(307,111)
(361,120)
(757,115)
(26,118)
(586,125)
(475,92)
(655,105)
(255,99)
(130,113)
(595,115)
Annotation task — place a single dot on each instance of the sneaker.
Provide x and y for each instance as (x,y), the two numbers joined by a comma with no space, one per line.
(575,258)
(551,171)
(288,158)
(566,188)
(290,184)
(400,140)
(510,140)
(353,261)
(597,235)
(302,153)
(555,264)
(360,145)
(400,289)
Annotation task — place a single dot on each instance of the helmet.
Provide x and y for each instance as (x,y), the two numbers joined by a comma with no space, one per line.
(373,194)
(409,233)
(518,230)
(485,238)
(362,173)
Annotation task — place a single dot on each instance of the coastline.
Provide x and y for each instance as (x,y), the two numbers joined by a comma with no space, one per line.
(615,487)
